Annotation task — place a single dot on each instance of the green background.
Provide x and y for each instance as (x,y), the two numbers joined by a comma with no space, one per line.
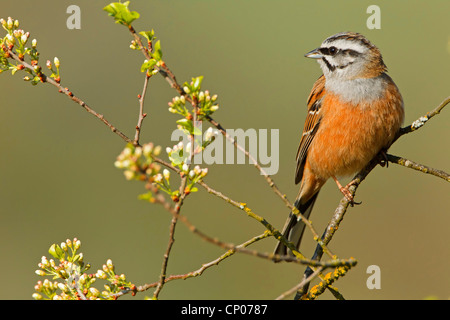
(58,181)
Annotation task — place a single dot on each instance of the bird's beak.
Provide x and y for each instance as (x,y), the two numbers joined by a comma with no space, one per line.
(315,54)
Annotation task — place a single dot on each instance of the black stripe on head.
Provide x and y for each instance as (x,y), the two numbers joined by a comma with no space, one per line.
(329,66)
(351,52)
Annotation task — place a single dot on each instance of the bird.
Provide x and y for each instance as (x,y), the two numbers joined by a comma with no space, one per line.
(354,112)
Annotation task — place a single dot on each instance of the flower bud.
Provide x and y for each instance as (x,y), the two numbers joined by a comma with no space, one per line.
(40,272)
(94,291)
(166,174)
(45,262)
(10,39)
(110,264)
(129,175)
(147,149)
(158,178)
(47,284)
(83,278)
(157,150)
(186,89)
(138,151)
(209,134)
(56,62)
(9,23)
(101,274)
(214,107)
(77,244)
(36,296)
(185,167)
(204,172)
(62,287)
(24,38)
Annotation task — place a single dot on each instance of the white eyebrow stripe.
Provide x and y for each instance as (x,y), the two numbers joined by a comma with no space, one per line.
(345,44)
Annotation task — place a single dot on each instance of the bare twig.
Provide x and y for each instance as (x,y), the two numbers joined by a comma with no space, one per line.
(175,215)
(305,281)
(142,115)
(422,120)
(419,167)
(332,263)
(73,98)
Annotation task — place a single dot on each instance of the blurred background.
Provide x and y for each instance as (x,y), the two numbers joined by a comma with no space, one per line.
(58,181)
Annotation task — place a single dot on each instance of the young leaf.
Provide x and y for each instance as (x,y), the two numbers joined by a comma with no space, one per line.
(148,65)
(56,252)
(149,35)
(120,12)
(176,158)
(157,53)
(197,83)
(187,124)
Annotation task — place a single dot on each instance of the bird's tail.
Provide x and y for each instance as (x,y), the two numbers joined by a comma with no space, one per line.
(294,226)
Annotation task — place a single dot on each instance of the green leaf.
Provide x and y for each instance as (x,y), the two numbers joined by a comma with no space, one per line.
(197,83)
(146,196)
(120,12)
(148,65)
(176,158)
(157,53)
(56,251)
(187,124)
(149,35)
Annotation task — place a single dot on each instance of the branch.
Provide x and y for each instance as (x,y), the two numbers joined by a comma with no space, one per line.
(419,167)
(68,93)
(344,203)
(270,256)
(142,115)
(312,276)
(419,123)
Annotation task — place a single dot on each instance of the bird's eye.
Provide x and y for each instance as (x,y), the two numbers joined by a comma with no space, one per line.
(332,50)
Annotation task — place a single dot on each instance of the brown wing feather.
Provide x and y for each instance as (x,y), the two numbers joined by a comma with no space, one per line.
(311,125)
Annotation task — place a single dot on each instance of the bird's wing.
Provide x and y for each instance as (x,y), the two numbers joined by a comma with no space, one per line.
(312,123)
